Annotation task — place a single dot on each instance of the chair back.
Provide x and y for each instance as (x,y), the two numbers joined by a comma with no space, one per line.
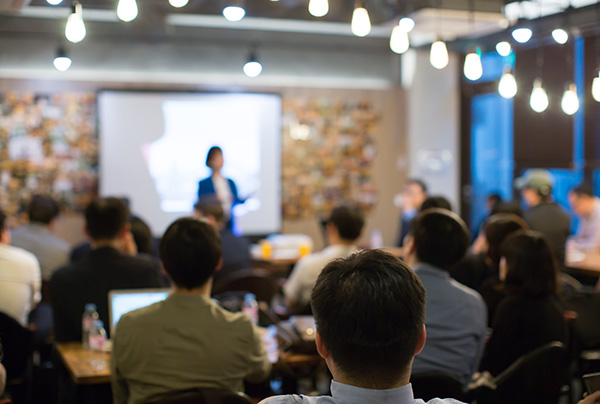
(201,396)
(535,377)
(258,281)
(430,385)
(17,344)
(586,325)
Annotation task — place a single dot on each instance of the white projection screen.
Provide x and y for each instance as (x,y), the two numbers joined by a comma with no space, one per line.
(153,148)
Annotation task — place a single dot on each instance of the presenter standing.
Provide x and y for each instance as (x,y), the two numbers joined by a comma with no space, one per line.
(223,188)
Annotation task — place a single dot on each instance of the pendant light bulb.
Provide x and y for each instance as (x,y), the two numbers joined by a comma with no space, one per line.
(522,35)
(178,3)
(407,24)
(560,36)
(596,88)
(508,85)
(252,68)
(438,56)
(473,69)
(75,29)
(399,42)
(539,98)
(62,62)
(318,8)
(361,24)
(570,100)
(233,13)
(503,48)
(127,10)
(54,2)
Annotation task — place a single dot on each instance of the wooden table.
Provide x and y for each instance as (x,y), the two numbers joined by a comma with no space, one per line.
(84,365)
(589,265)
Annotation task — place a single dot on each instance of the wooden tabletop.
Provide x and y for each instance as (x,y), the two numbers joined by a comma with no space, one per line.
(84,365)
(589,264)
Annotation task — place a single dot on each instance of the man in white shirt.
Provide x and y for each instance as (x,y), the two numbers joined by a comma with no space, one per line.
(20,278)
(343,228)
(587,207)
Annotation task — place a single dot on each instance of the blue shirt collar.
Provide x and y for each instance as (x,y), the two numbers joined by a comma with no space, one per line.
(347,394)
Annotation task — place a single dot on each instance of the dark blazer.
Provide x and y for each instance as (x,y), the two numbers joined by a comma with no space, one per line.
(89,280)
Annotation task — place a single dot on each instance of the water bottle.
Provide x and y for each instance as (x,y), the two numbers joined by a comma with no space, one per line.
(97,336)
(250,307)
(87,322)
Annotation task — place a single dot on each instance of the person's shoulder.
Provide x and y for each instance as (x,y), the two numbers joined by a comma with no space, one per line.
(135,317)
(469,294)
(139,262)
(440,401)
(295,399)
(21,255)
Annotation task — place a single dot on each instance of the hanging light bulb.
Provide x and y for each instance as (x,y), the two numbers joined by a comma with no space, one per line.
(570,100)
(127,10)
(318,8)
(407,24)
(234,13)
(596,88)
(361,24)
(503,48)
(438,56)
(399,42)
(178,3)
(539,98)
(560,36)
(54,2)
(473,69)
(508,85)
(75,29)
(252,68)
(62,62)
(522,35)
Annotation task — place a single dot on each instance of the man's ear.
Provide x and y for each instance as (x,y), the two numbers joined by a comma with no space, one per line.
(321,348)
(219,264)
(126,229)
(421,342)
(5,236)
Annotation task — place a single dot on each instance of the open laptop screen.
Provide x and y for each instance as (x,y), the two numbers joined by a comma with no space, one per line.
(124,301)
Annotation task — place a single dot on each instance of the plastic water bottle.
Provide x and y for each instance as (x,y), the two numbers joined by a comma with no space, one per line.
(97,336)
(250,307)
(87,322)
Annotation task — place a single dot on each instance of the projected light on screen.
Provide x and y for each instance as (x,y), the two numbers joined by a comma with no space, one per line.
(153,150)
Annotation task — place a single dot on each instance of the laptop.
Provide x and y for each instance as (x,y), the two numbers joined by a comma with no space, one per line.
(125,300)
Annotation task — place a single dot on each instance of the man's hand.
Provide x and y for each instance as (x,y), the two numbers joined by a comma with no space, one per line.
(127,244)
(591,399)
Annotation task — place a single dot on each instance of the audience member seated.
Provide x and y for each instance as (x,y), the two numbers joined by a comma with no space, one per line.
(187,340)
(456,315)
(480,271)
(20,278)
(142,236)
(343,229)
(587,207)
(436,202)
(530,315)
(369,310)
(413,196)
(111,264)
(51,251)
(236,250)
(543,214)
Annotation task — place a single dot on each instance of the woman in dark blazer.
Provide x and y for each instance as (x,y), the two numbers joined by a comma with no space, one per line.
(217,185)
(529,316)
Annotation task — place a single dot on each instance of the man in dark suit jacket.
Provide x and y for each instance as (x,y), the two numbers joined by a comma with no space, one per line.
(110,264)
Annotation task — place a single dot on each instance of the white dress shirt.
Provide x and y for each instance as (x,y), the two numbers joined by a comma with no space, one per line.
(223,192)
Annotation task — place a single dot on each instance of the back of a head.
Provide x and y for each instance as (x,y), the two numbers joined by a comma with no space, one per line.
(369,309)
(105,218)
(440,237)
(42,209)
(190,251)
(210,206)
(530,263)
(497,229)
(583,189)
(142,235)
(348,221)
(436,202)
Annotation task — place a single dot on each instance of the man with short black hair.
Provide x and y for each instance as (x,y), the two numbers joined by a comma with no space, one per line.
(369,311)
(20,278)
(186,341)
(544,215)
(456,315)
(587,206)
(110,265)
(36,236)
(343,229)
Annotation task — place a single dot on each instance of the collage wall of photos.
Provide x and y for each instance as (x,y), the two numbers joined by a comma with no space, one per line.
(328,150)
(48,144)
